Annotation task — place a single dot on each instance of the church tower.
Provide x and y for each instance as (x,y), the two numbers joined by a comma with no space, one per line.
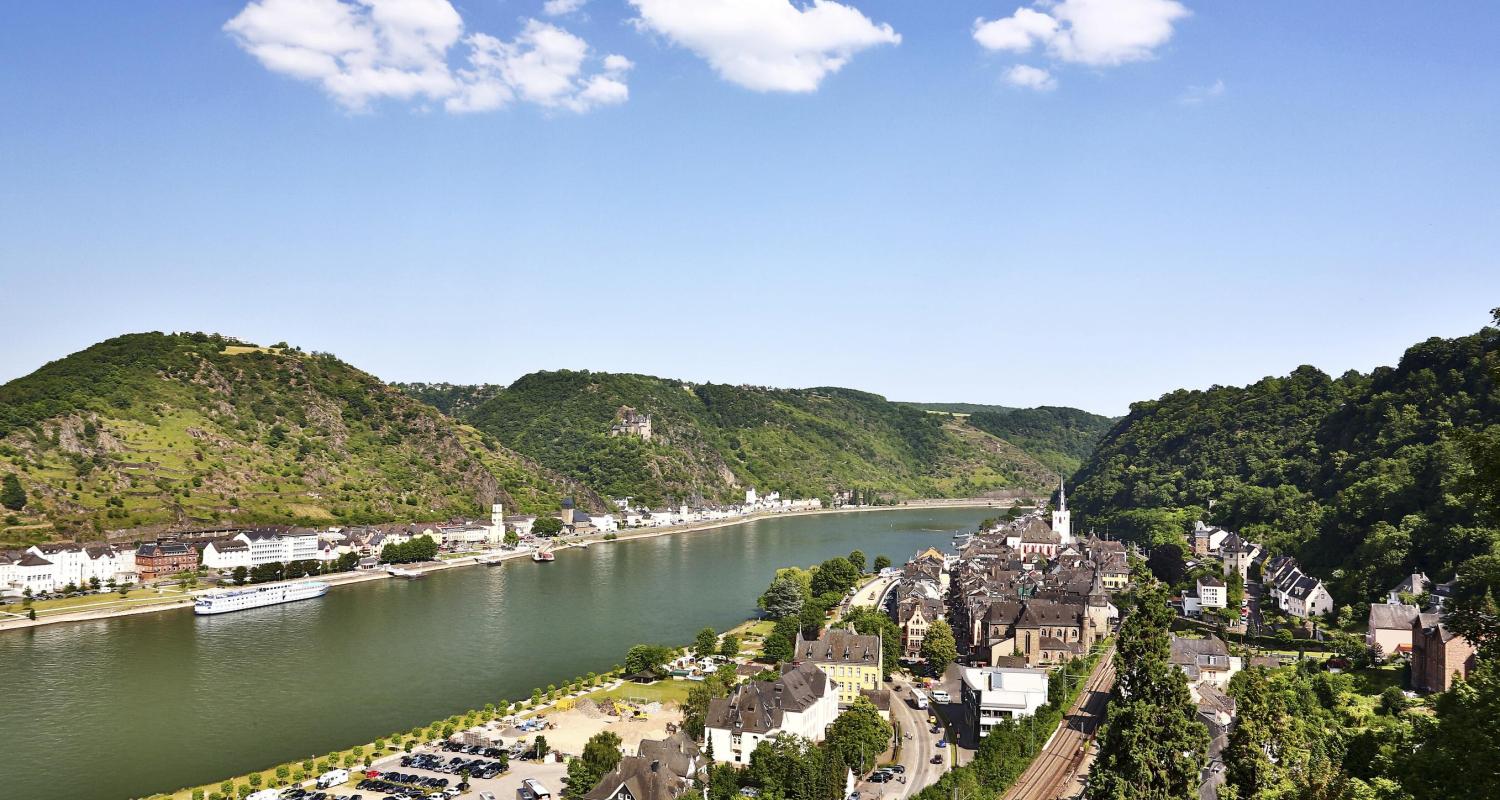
(1062,519)
(1098,608)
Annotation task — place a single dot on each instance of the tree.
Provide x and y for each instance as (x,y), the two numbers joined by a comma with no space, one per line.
(1474,608)
(881,562)
(1167,564)
(540,748)
(706,643)
(600,755)
(647,657)
(240,575)
(834,575)
(729,646)
(12,496)
(784,598)
(857,558)
(939,647)
(695,707)
(858,736)
(512,538)
(547,526)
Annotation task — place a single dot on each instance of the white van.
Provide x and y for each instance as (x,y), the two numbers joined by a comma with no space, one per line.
(940,695)
(333,777)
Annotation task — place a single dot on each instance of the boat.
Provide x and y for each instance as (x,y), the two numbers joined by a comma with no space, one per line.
(543,554)
(397,572)
(257,597)
(490,561)
(584,543)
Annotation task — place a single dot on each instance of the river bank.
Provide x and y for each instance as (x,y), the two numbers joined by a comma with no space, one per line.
(111,609)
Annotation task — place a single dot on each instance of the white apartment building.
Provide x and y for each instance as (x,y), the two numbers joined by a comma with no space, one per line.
(803,702)
(993,694)
(267,547)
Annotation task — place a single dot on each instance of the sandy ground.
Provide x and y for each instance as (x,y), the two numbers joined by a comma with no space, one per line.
(574,727)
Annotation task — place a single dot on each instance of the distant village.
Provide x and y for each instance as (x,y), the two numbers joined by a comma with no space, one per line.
(69,567)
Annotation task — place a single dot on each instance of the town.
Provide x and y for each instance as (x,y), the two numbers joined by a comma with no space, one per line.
(993,659)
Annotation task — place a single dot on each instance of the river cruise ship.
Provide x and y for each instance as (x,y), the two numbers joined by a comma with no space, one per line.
(241,599)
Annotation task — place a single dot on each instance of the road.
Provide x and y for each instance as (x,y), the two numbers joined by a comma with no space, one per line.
(916,752)
(869,594)
(1051,772)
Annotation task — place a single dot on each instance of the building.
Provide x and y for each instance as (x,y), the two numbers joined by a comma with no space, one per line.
(1438,654)
(803,701)
(23,571)
(629,423)
(1296,592)
(1238,554)
(83,565)
(1391,628)
(1207,538)
(663,769)
(1062,519)
(268,547)
(1413,586)
(1212,592)
(1205,661)
(155,560)
(226,554)
(993,694)
(851,659)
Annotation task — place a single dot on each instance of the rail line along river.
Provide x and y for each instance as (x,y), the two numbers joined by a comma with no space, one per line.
(129,706)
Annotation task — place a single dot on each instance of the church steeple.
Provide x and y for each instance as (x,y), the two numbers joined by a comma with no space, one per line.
(1062,520)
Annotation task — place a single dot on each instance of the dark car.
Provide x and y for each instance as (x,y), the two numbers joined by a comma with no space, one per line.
(937,759)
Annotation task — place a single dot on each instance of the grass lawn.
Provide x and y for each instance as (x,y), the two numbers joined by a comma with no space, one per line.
(110,600)
(661,691)
(753,627)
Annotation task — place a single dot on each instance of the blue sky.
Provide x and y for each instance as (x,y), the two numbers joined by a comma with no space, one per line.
(760,192)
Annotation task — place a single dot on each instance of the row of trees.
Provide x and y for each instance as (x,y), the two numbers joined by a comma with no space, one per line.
(277,571)
(420,548)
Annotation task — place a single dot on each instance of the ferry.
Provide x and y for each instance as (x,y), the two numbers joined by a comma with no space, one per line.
(489,561)
(241,599)
(543,554)
(397,572)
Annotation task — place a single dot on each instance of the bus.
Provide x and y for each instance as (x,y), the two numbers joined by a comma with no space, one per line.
(532,789)
(918,699)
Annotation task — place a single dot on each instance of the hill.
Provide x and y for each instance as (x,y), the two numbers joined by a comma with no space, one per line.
(453,399)
(1364,477)
(713,441)
(960,408)
(155,429)
(1059,437)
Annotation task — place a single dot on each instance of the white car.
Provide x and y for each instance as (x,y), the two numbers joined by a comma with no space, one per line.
(940,695)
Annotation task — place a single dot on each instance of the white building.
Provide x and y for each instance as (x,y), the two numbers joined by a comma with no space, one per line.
(604,522)
(79,564)
(1296,592)
(267,547)
(993,694)
(1204,661)
(1062,518)
(226,554)
(803,701)
(1212,592)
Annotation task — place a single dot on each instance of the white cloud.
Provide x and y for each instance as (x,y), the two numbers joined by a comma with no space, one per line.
(360,51)
(558,8)
(1028,77)
(766,45)
(1195,95)
(1096,33)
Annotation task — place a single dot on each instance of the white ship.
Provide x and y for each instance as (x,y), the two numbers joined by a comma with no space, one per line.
(255,597)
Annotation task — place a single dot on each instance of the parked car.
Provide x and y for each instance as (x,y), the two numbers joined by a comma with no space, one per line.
(936,760)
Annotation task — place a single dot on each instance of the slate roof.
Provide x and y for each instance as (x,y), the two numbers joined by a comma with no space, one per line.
(759,706)
(664,770)
(1392,616)
(835,646)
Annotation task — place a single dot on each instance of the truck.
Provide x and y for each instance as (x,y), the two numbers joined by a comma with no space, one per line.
(532,789)
(333,777)
(918,699)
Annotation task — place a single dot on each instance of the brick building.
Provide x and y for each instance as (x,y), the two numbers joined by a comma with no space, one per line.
(1437,654)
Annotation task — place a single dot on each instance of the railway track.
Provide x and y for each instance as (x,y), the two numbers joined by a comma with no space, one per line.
(1054,767)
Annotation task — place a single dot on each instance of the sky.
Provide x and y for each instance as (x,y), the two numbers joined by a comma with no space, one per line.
(1075,202)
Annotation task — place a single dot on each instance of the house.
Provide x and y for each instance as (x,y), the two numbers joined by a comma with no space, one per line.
(270,546)
(1212,592)
(1296,592)
(521,524)
(1238,554)
(22,571)
(1207,538)
(155,560)
(630,423)
(851,659)
(1205,661)
(1391,628)
(992,694)
(804,701)
(663,769)
(83,564)
(1438,654)
(1412,585)
(226,554)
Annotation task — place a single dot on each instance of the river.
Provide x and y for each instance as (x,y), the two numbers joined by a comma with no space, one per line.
(129,706)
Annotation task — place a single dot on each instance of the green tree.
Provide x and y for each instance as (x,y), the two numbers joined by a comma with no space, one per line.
(857,558)
(1474,608)
(858,736)
(706,643)
(881,562)
(695,707)
(644,657)
(601,754)
(835,575)
(1167,564)
(939,647)
(784,598)
(547,526)
(12,496)
(729,646)
(512,538)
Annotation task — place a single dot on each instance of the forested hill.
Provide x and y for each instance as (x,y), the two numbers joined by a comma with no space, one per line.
(196,429)
(714,441)
(1061,437)
(1364,477)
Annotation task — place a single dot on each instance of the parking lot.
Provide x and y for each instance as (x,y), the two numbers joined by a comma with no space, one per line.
(422,764)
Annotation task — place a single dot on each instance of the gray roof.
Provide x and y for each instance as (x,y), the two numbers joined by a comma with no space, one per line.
(663,770)
(837,646)
(1392,616)
(759,706)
